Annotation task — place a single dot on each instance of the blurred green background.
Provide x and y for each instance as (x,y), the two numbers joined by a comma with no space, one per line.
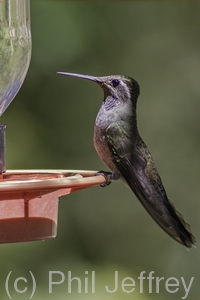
(50,125)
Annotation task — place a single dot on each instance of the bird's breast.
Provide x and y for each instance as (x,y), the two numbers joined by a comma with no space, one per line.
(101,146)
(104,119)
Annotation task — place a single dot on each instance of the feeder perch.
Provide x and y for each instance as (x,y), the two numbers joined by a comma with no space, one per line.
(28,199)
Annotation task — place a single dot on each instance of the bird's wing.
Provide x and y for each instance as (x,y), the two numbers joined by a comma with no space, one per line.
(134,162)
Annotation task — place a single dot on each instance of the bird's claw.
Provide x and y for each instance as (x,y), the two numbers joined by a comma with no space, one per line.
(107,176)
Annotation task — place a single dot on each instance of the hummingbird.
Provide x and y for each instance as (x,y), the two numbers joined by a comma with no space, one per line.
(120,146)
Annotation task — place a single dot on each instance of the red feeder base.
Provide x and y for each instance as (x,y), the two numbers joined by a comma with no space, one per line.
(29,201)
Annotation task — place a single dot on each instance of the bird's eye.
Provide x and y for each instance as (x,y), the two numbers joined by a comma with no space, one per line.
(115,82)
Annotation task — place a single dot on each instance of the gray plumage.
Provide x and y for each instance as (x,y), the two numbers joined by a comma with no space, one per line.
(119,145)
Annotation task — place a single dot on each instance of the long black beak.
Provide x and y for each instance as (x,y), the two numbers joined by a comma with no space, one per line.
(88,77)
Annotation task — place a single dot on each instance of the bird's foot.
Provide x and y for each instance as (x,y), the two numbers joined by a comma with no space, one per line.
(107,175)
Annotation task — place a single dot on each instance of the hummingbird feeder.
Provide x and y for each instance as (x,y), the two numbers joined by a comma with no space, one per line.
(28,198)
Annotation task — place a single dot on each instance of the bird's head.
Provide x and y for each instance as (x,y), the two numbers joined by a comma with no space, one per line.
(120,87)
